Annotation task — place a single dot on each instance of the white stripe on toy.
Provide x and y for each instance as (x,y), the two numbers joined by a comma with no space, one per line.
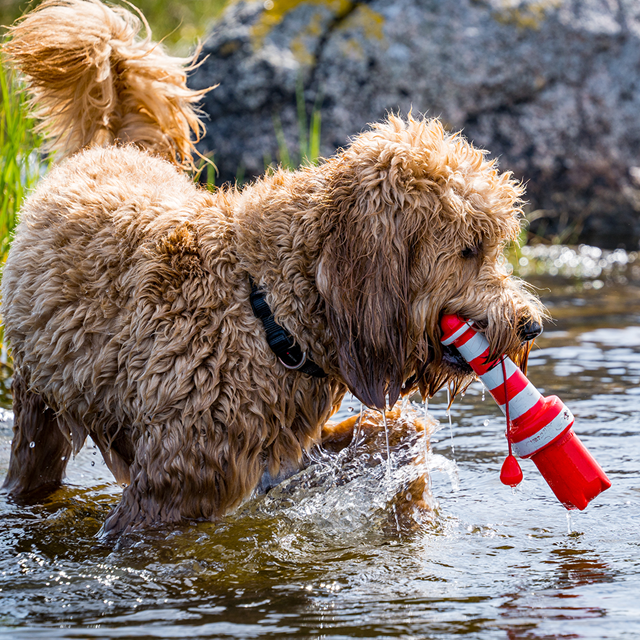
(521,403)
(547,434)
(493,378)
(458,333)
(474,347)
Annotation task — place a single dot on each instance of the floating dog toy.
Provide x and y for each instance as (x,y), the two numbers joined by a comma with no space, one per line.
(537,427)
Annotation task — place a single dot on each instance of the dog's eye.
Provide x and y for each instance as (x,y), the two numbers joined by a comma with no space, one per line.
(469,252)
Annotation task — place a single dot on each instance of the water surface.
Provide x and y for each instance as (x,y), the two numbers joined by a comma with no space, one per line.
(321,558)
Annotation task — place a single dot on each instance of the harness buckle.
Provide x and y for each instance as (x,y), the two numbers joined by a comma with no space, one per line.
(294,367)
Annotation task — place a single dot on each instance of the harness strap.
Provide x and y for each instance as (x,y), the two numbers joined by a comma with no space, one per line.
(280,340)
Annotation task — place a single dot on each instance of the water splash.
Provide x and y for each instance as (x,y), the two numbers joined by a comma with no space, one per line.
(386,436)
(395,516)
(591,264)
(449,467)
(426,441)
(360,489)
(449,401)
(358,430)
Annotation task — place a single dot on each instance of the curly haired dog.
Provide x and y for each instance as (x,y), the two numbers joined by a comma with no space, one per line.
(126,293)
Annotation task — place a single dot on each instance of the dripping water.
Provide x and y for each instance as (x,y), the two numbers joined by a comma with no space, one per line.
(425,441)
(358,430)
(395,515)
(386,435)
(450,423)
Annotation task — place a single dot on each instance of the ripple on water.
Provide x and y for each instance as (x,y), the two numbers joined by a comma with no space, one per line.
(320,556)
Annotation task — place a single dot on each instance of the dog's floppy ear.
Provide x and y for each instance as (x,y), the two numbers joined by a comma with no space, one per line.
(364,273)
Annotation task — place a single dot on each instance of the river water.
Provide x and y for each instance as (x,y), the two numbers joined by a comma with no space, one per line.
(316,558)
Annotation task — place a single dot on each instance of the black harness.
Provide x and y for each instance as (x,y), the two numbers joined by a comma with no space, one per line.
(280,340)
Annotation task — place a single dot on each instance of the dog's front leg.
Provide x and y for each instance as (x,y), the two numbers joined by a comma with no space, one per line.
(39,450)
(185,470)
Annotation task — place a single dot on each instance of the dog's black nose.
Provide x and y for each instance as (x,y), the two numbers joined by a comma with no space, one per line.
(529,330)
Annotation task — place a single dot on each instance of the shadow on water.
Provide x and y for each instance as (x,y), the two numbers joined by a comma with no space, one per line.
(323,557)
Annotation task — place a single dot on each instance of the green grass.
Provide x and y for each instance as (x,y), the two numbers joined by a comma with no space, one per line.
(21,164)
(308,151)
(180,24)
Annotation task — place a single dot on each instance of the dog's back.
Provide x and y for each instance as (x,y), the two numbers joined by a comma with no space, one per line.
(94,81)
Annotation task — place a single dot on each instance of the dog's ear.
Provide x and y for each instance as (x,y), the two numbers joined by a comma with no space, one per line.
(364,272)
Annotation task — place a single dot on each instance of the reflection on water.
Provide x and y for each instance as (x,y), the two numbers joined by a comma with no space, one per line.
(321,555)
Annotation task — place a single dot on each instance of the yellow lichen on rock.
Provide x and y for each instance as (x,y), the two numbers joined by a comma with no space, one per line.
(529,16)
(370,23)
(299,46)
(276,10)
(362,18)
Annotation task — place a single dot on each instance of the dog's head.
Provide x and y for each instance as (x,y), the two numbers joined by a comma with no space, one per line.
(416,223)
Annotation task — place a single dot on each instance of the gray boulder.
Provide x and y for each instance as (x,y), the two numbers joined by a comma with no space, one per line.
(551,88)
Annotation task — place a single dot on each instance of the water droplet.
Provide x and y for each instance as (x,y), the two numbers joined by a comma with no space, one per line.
(395,515)
(450,423)
(486,423)
(32,445)
(386,435)
(93,463)
(425,440)
(63,458)
(350,409)
(409,497)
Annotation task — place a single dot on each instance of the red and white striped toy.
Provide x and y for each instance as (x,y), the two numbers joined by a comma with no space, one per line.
(537,427)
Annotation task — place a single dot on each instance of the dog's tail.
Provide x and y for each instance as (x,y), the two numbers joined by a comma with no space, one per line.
(96,82)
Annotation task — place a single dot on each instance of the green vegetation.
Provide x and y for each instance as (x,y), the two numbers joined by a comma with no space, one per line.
(21,164)
(180,24)
(528,253)
(308,151)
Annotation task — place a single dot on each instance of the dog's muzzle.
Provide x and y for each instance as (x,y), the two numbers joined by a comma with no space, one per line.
(529,330)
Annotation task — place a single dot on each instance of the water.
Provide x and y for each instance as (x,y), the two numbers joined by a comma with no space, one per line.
(453,451)
(321,557)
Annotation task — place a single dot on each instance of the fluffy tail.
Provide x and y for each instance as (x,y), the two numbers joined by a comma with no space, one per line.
(95,82)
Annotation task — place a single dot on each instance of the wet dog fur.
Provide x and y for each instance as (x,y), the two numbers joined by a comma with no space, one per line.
(125,296)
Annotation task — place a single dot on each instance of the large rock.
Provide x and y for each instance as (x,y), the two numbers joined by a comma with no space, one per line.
(551,88)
